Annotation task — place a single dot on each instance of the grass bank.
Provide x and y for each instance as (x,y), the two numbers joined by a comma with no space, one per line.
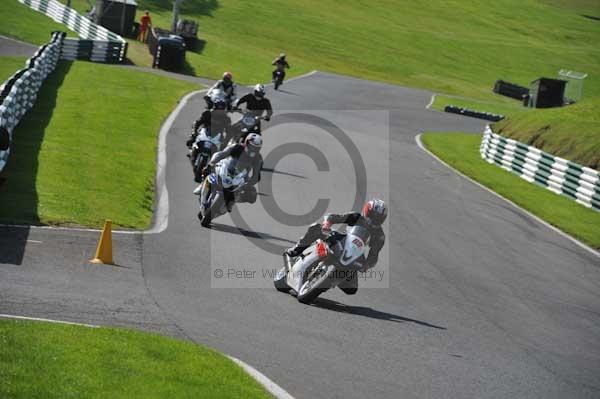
(45,360)
(461,151)
(21,22)
(87,149)
(571,132)
(10,65)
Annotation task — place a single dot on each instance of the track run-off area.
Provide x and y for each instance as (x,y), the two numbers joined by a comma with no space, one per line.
(476,298)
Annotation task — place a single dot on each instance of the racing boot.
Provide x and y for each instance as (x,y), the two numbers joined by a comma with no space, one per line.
(296,250)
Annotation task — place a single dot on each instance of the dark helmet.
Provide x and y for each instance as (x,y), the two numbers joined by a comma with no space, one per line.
(220,103)
(375,212)
(259,91)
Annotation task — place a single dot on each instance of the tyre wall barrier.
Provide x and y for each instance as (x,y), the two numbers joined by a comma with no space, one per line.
(19,92)
(559,175)
(96,43)
(510,89)
(474,114)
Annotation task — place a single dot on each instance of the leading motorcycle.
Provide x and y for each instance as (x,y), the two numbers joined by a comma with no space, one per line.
(324,265)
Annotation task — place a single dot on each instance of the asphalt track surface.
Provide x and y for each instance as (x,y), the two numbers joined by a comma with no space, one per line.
(481,300)
(12,48)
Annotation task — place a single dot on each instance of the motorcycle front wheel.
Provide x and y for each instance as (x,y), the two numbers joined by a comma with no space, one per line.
(214,210)
(316,283)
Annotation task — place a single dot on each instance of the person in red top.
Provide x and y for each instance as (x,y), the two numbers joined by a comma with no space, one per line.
(145,22)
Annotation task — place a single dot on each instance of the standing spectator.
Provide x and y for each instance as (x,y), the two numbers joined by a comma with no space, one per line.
(145,23)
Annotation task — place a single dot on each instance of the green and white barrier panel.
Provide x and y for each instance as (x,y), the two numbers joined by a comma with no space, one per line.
(97,43)
(559,175)
(19,92)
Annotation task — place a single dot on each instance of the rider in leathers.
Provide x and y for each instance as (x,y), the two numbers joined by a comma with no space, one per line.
(281,65)
(372,216)
(256,104)
(227,85)
(247,156)
(215,120)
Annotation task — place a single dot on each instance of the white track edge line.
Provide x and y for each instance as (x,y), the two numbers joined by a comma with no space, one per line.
(431,101)
(537,218)
(160,221)
(10,316)
(262,379)
(18,41)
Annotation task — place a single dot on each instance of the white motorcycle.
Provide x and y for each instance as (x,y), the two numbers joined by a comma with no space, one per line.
(324,265)
(204,146)
(224,182)
(215,95)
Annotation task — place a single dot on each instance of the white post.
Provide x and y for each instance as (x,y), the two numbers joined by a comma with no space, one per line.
(176,5)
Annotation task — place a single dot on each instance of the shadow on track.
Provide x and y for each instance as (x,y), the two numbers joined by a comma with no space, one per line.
(271,170)
(368,312)
(247,233)
(288,92)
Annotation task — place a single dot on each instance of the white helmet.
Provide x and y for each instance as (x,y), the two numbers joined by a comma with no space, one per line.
(253,143)
(259,91)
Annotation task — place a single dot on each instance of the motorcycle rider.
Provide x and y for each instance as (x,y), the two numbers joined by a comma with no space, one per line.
(281,64)
(247,156)
(227,85)
(256,103)
(214,120)
(373,214)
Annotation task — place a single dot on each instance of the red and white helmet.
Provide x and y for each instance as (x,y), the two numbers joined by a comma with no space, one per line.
(375,212)
(253,143)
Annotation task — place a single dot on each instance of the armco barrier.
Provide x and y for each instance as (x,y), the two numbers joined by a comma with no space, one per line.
(97,43)
(18,93)
(556,174)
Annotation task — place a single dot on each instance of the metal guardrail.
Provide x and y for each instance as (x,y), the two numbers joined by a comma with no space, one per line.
(19,92)
(96,43)
(559,175)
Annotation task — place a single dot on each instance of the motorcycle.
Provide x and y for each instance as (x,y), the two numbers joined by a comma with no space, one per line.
(277,78)
(249,123)
(225,181)
(324,265)
(215,95)
(202,149)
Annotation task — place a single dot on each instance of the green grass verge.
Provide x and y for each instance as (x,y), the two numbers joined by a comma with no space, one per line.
(46,360)
(461,151)
(87,150)
(10,65)
(23,23)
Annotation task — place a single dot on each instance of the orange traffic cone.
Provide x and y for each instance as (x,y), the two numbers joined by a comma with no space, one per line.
(104,249)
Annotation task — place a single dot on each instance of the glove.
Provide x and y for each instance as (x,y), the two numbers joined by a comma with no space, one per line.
(326,227)
(189,142)
(268,118)
(206,171)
